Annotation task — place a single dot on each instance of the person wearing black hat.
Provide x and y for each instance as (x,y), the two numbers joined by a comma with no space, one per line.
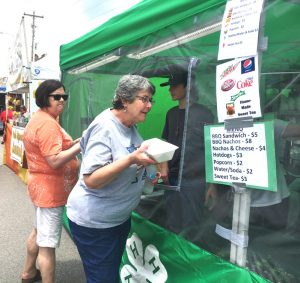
(176,79)
(184,207)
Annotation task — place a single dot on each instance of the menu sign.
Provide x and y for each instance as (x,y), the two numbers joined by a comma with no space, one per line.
(237,89)
(240,27)
(243,155)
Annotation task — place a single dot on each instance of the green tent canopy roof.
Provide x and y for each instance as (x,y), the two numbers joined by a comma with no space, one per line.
(152,21)
(146,17)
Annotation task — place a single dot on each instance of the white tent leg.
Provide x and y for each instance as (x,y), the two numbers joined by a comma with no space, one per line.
(240,224)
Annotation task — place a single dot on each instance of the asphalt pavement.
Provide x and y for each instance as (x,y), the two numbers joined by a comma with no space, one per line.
(16,219)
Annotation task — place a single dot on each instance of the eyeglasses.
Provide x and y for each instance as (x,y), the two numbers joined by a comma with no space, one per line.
(58,97)
(145,99)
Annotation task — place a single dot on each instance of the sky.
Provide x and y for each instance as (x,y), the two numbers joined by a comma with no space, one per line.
(62,22)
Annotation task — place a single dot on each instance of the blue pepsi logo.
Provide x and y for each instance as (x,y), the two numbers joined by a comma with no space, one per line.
(248,65)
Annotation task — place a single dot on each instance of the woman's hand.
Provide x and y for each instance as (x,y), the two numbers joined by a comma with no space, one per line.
(164,172)
(140,157)
(76,141)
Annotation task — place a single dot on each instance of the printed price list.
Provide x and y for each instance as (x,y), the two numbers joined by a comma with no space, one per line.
(240,27)
(239,155)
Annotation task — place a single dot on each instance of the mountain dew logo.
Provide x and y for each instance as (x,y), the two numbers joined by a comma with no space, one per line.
(146,266)
(236,96)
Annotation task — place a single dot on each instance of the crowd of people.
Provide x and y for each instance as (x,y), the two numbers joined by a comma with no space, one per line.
(102,190)
(19,118)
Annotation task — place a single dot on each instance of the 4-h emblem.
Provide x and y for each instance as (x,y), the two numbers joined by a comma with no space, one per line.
(146,266)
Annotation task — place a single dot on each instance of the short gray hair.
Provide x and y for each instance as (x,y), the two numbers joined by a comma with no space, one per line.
(128,88)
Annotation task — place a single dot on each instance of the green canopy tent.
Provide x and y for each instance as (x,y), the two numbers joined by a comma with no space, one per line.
(152,38)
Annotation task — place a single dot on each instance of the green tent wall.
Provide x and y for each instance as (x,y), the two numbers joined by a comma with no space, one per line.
(272,254)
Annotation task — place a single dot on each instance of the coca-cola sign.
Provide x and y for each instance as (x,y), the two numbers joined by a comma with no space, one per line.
(228,85)
(246,83)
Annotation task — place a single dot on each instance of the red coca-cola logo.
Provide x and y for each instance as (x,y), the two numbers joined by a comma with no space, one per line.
(246,83)
(228,85)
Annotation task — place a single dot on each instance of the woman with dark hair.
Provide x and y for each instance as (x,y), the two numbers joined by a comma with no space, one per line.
(111,180)
(53,170)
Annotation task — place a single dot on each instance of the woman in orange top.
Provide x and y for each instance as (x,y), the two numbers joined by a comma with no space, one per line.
(53,170)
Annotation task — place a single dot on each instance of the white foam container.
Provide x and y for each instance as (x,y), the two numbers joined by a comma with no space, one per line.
(160,150)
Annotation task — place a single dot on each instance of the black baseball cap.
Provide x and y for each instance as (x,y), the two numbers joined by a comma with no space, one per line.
(176,79)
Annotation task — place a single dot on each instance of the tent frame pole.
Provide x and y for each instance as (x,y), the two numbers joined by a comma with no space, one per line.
(240,224)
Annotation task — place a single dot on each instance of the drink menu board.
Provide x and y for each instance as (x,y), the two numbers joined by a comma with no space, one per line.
(240,27)
(237,89)
(242,155)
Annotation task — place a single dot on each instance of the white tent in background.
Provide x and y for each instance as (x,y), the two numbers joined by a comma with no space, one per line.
(41,70)
(44,69)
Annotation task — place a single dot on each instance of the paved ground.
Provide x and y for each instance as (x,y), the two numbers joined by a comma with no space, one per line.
(16,214)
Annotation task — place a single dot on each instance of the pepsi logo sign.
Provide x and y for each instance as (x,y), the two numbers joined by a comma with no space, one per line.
(228,85)
(247,65)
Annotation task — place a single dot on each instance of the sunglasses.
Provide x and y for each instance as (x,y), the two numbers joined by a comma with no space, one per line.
(58,97)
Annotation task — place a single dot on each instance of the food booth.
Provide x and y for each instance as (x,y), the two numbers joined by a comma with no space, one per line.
(155,38)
